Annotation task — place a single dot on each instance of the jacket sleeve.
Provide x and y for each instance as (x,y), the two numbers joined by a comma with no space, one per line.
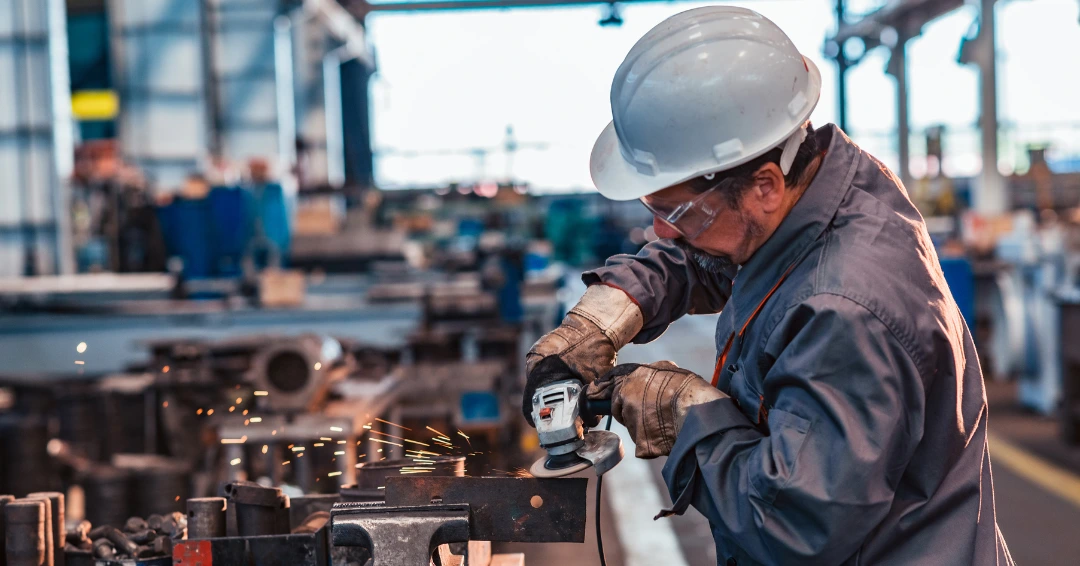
(665,284)
(845,412)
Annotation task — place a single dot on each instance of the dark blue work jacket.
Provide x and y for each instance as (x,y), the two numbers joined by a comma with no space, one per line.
(855,432)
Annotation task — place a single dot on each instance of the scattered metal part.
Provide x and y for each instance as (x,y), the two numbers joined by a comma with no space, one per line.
(25,523)
(163,545)
(98,532)
(155,521)
(104,549)
(399,535)
(502,509)
(120,541)
(206,517)
(56,510)
(143,537)
(83,529)
(176,525)
(135,524)
(257,507)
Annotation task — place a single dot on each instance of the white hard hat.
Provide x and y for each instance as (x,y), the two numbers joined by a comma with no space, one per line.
(704,91)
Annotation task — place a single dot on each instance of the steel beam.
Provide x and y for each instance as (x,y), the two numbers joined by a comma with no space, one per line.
(361,8)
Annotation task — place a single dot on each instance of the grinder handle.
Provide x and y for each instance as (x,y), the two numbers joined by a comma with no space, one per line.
(596,408)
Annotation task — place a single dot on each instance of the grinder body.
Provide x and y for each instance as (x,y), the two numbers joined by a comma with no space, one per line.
(558,410)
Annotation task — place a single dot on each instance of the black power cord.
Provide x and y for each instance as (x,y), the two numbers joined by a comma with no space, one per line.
(600,482)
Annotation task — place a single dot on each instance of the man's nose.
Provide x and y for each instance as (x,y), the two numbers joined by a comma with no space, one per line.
(664,230)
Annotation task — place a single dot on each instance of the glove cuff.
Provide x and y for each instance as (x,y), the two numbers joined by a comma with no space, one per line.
(612,311)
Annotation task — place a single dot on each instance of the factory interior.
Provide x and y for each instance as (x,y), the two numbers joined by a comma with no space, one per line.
(283,260)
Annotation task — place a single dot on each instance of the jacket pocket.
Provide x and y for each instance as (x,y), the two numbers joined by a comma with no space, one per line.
(787,433)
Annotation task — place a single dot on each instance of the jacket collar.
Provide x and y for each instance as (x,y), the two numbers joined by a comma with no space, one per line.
(800,229)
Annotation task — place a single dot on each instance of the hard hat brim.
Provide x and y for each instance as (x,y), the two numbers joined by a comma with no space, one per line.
(619,180)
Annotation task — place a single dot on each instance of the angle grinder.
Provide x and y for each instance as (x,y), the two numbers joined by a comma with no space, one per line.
(558,410)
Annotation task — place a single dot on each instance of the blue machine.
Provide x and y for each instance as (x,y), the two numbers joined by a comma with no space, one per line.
(961,280)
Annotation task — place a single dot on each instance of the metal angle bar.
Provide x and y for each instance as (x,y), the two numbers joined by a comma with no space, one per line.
(504,509)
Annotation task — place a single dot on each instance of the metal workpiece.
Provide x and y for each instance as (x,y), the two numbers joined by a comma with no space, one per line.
(206,517)
(26,542)
(504,509)
(371,476)
(56,510)
(384,530)
(258,509)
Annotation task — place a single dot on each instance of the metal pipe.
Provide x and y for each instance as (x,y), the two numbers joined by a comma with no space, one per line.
(898,68)
(990,198)
(841,71)
(63,150)
(332,116)
(286,103)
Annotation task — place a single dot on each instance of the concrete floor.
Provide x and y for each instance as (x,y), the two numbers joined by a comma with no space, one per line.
(1039,526)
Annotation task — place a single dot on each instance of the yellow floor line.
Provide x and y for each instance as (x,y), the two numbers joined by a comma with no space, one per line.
(1057,481)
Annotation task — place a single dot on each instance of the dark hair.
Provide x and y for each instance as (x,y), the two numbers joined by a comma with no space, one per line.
(743,175)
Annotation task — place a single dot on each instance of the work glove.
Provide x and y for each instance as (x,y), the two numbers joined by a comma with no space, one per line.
(651,401)
(584,346)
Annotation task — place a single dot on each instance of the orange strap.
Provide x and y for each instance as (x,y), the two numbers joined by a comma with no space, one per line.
(727,347)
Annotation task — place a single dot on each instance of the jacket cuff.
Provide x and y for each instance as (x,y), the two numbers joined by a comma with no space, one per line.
(702,421)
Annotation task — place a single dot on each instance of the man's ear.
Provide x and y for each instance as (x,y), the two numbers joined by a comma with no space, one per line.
(770,187)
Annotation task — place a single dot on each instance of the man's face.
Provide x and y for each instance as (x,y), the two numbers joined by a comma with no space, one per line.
(736,232)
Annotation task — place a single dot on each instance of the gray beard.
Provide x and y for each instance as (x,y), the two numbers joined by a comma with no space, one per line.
(706,261)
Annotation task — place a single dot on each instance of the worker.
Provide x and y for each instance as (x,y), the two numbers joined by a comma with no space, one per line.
(846,419)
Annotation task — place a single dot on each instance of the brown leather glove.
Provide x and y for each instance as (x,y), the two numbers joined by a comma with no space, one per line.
(651,401)
(584,346)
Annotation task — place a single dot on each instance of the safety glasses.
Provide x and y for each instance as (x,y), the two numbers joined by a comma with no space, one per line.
(689,217)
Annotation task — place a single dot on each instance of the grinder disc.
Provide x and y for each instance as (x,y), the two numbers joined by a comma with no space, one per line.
(543,468)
